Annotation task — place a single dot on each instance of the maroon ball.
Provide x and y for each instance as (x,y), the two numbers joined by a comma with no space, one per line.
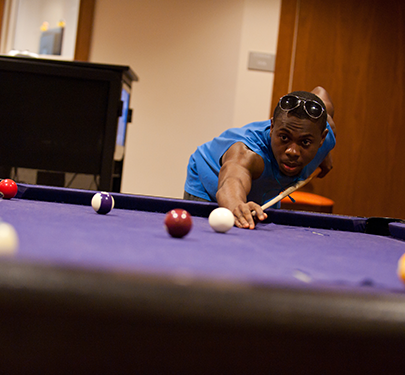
(178,222)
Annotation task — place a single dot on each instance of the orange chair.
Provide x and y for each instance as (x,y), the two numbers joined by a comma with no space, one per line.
(307,202)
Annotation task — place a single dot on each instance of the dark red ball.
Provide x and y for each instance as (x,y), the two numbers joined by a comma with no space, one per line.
(178,222)
(8,188)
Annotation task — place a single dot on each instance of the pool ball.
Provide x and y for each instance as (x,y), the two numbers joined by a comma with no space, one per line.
(8,239)
(178,222)
(102,202)
(401,268)
(8,188)
(221,220)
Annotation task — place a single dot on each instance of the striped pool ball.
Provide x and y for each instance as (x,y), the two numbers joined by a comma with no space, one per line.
(102,202)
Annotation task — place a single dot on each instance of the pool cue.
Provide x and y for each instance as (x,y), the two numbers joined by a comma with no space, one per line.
(289,190)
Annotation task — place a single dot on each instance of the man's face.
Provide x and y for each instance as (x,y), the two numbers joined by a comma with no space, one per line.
(295,142)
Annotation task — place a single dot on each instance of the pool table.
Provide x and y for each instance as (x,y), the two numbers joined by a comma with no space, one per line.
(304,292)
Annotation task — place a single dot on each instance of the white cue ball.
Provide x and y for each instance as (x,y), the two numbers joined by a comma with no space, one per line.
(8,239)
(221,220)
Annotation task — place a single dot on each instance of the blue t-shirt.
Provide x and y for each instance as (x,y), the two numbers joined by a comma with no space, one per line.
(204,164)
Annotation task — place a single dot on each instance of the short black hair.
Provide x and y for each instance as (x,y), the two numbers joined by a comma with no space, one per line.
(300,112)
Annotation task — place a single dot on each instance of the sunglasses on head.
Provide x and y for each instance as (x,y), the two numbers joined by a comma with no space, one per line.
(289,102)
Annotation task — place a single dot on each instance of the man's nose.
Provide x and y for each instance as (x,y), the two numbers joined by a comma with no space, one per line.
(293,150)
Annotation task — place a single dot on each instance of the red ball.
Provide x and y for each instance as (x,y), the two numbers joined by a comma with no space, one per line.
(8,188)
(178,222)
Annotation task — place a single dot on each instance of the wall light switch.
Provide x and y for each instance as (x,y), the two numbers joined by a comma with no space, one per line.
(262,61)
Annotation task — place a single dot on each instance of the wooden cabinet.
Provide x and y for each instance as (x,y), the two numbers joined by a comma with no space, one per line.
(64,116)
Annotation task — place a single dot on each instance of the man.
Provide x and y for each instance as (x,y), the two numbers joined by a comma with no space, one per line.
(245,167)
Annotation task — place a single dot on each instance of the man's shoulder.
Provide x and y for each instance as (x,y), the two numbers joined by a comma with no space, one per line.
(253,131)
(258,125)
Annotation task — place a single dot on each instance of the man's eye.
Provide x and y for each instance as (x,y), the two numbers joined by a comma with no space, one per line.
(283,137)
(306,142)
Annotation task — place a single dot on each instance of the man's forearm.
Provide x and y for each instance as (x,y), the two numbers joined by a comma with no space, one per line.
(231,193)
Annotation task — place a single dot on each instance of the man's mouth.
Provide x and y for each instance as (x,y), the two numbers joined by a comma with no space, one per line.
(290,169)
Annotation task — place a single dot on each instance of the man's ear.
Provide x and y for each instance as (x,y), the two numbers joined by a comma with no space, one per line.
(324,134)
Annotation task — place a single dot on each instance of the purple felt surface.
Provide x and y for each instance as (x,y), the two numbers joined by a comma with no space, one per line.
(136,241)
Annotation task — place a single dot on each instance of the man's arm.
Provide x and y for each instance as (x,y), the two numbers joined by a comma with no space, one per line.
(327,163)
(240,166)
(324,95)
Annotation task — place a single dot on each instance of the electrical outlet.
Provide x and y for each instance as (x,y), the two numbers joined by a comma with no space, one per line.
(262,61)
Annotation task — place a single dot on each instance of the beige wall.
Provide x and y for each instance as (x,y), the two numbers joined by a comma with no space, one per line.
(191,58)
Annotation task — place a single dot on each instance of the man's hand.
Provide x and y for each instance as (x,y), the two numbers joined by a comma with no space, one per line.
(243,215)
(240,166)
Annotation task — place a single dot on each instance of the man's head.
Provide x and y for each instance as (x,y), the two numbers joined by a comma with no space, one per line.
(302,104)
(297,130)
